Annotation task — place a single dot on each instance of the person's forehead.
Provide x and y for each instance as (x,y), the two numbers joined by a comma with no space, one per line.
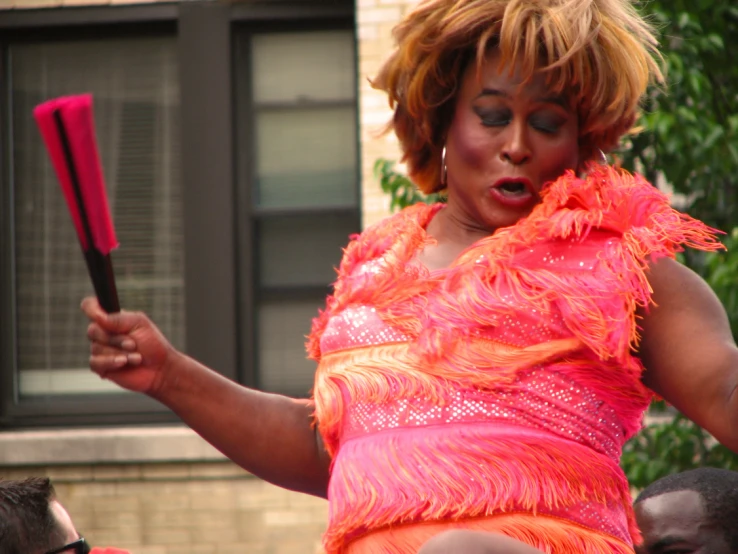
(64,520)
(490,73)
(671,512)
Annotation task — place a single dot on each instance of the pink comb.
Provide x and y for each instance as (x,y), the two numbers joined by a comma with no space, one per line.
(66,125)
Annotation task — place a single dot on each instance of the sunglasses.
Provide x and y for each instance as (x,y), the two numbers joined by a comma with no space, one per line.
(79,546)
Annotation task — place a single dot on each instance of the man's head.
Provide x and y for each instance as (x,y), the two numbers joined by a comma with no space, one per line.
(691,512)
(31,519)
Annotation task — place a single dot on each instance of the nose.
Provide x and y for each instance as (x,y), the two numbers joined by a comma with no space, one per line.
(515,149)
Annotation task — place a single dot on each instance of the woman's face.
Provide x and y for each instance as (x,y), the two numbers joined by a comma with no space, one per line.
(504,143)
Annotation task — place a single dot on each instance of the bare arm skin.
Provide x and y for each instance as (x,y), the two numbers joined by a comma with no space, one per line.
(475,542)
(270,435)
(689,353)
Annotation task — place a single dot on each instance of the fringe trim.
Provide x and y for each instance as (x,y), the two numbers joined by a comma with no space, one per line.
(646,228)
(549,534)
(379,374)
(409,476)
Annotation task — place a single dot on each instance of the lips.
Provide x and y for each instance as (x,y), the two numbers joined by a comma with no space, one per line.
(514,192)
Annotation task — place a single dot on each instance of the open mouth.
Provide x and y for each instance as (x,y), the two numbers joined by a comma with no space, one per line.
(513,189)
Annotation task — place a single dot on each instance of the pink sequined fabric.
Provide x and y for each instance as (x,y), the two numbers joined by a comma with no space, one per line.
(540,399)
(505,384)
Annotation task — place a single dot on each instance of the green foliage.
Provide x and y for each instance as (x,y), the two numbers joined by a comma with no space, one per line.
(402,191)
(673,445)
(690,136)
(691,125)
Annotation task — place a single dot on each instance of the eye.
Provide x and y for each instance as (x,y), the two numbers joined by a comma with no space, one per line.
(494,118)
(546,124)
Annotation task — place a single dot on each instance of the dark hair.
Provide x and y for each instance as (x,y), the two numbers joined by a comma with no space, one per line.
(718,489)
(27,524)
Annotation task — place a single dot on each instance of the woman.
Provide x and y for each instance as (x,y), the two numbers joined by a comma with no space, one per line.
(482,362)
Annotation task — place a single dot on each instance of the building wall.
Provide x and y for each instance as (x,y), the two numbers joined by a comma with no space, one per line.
(163,491)
(374,22)
(156,492)
(206,507)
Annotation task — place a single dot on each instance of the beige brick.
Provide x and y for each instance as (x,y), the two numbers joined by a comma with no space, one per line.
(166,501)
(61,474)
(215,534)
(86,2)
(116,472)
(378,15)
(117,503)
(28,4)
(217,469)
(193,549)
(242,548)
(108,537)
(167,536)
(152,550)
(169,518)
(367,32)
(165,471)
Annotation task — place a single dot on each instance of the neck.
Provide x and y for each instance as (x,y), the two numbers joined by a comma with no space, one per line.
(452,225)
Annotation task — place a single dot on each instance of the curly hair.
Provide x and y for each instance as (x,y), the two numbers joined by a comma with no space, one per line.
(27,524)
(718,489)
(602,53)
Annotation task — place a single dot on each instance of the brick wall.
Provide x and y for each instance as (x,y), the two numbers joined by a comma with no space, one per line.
(374,22)
(184,508)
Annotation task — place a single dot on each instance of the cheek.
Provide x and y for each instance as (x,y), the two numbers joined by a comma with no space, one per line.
(559,157)
(468,146)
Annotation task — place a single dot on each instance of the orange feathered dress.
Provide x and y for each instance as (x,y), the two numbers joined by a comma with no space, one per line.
(496,394)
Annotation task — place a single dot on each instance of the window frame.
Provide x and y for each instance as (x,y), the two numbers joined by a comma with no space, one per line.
(251,214)
(209,137)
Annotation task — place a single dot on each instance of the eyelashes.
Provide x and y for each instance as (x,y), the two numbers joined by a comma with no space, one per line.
(545,123)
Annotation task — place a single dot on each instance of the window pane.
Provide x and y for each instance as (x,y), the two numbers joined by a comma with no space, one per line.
(283,363)
(304,250)
(136,102)
(303,67)
(306,157)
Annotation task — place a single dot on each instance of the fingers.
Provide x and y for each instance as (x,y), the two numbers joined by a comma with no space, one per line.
(119,323)
(102,364)
(108,358)
(97,334)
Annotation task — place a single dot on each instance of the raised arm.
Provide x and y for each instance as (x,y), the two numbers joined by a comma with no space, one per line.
(689,353)
(271,436)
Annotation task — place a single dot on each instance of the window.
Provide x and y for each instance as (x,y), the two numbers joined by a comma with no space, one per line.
(299,190)
(136,102)
(228,139)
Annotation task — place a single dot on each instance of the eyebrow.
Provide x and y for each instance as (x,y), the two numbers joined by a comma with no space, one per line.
(558,100)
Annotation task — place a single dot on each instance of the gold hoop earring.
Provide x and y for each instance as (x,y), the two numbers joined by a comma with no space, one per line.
(444,170)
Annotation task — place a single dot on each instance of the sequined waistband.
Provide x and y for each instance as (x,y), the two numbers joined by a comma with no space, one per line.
(540,399)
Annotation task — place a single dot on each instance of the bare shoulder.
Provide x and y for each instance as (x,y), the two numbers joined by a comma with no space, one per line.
(680,298)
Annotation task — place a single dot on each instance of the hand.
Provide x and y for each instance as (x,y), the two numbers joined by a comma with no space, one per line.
(127,348)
